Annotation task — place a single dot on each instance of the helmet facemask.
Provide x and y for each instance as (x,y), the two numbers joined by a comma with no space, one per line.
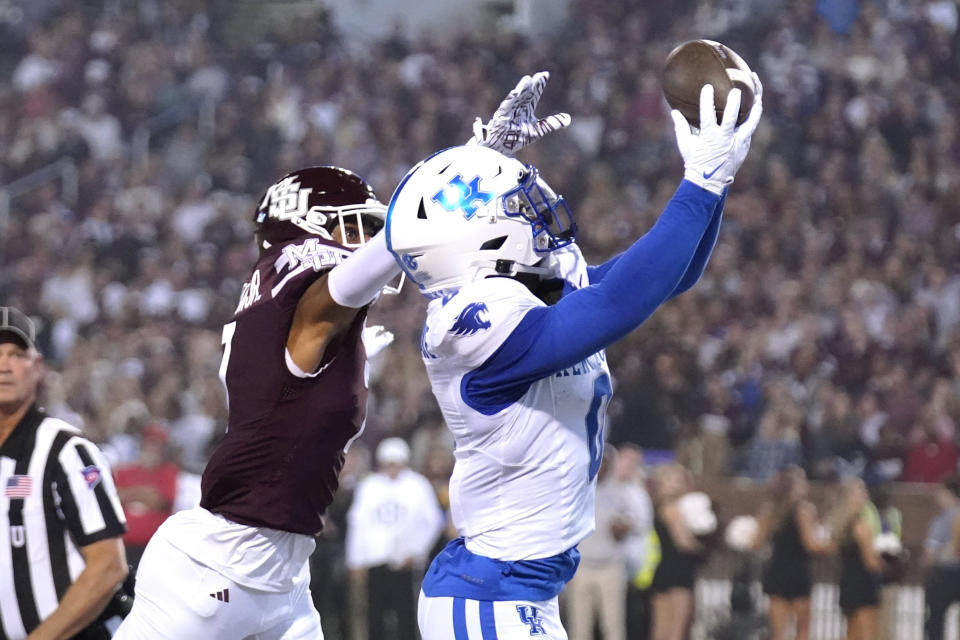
(549,216)
(367,218)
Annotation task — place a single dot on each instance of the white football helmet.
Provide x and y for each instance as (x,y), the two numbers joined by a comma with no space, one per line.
(470,212)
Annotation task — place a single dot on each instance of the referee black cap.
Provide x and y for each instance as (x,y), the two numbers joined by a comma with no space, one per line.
(16,323)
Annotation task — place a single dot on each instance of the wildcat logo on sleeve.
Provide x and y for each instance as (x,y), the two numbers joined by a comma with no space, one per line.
(18,486)
(91,475)
(471,320)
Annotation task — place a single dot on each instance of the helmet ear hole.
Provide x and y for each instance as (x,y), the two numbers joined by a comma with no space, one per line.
(421,212)
(493,244)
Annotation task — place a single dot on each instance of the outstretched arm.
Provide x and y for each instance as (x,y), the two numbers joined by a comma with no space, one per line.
(740,149)
(585,321)
(704,250)
(741,146)
(697,265)
(642,278)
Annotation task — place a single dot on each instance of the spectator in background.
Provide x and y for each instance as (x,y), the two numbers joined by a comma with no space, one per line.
(933,452)
(707,452)
(835,440)
(437,468)
(431,434)
(329,583)
(887,521)
(789,523)
(777,442)
(941,557)
(629,474)
(680,555)
(597,593)
(393,523)
(860,565)
(148,490)
(666,403)
(872,418)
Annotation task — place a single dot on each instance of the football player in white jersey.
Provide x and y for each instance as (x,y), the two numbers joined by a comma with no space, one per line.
(513,346)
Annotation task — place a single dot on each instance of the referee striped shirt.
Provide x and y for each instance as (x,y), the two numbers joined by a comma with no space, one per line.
(58,496)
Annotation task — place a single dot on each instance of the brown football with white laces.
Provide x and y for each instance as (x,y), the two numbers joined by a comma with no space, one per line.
(698,62)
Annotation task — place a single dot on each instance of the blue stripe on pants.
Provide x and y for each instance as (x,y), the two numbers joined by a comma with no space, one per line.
(488,625)
(460,619)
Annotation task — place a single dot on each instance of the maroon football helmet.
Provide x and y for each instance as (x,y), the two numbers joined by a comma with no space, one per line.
(317,200)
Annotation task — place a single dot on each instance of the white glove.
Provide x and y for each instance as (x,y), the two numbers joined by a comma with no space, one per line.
(741,141)
(514,125)
(712,156)
(375,339)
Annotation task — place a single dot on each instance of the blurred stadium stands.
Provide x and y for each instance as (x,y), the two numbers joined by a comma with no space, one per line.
(136,136)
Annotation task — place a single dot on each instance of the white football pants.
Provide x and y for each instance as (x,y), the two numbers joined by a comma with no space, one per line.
(179,598)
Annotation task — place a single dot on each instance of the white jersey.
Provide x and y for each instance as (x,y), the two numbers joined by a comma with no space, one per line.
(524,480)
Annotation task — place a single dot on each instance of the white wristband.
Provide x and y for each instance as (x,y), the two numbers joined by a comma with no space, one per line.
(357,280)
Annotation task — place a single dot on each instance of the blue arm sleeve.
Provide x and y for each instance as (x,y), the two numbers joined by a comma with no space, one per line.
(704,250)
(587,320)
(697,266)
(596,273)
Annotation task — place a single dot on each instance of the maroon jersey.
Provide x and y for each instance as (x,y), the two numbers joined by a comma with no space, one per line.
(279,462)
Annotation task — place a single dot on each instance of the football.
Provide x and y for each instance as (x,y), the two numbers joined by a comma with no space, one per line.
(698,62)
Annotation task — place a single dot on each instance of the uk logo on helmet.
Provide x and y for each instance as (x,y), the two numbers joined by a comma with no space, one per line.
(466,195)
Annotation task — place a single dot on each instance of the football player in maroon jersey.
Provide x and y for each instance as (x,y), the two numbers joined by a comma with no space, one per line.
(293,366)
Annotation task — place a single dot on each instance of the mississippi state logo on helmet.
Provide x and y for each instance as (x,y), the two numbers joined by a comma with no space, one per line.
(323,201)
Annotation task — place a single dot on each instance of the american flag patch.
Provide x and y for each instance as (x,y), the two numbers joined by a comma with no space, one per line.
(18,486)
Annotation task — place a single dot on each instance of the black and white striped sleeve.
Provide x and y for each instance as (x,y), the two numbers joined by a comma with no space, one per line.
(88,498)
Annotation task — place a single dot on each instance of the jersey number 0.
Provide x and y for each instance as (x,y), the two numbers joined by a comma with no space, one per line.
(596,419)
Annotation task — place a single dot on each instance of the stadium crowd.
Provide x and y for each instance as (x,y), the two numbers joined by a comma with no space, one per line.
(825,332)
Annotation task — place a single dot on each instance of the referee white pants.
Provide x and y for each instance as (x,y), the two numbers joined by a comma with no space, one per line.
(178,598)
(445,618)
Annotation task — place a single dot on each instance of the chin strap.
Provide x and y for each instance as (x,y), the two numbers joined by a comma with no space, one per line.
(512,268)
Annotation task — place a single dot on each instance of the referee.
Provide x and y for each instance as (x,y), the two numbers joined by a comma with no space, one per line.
(61,554)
